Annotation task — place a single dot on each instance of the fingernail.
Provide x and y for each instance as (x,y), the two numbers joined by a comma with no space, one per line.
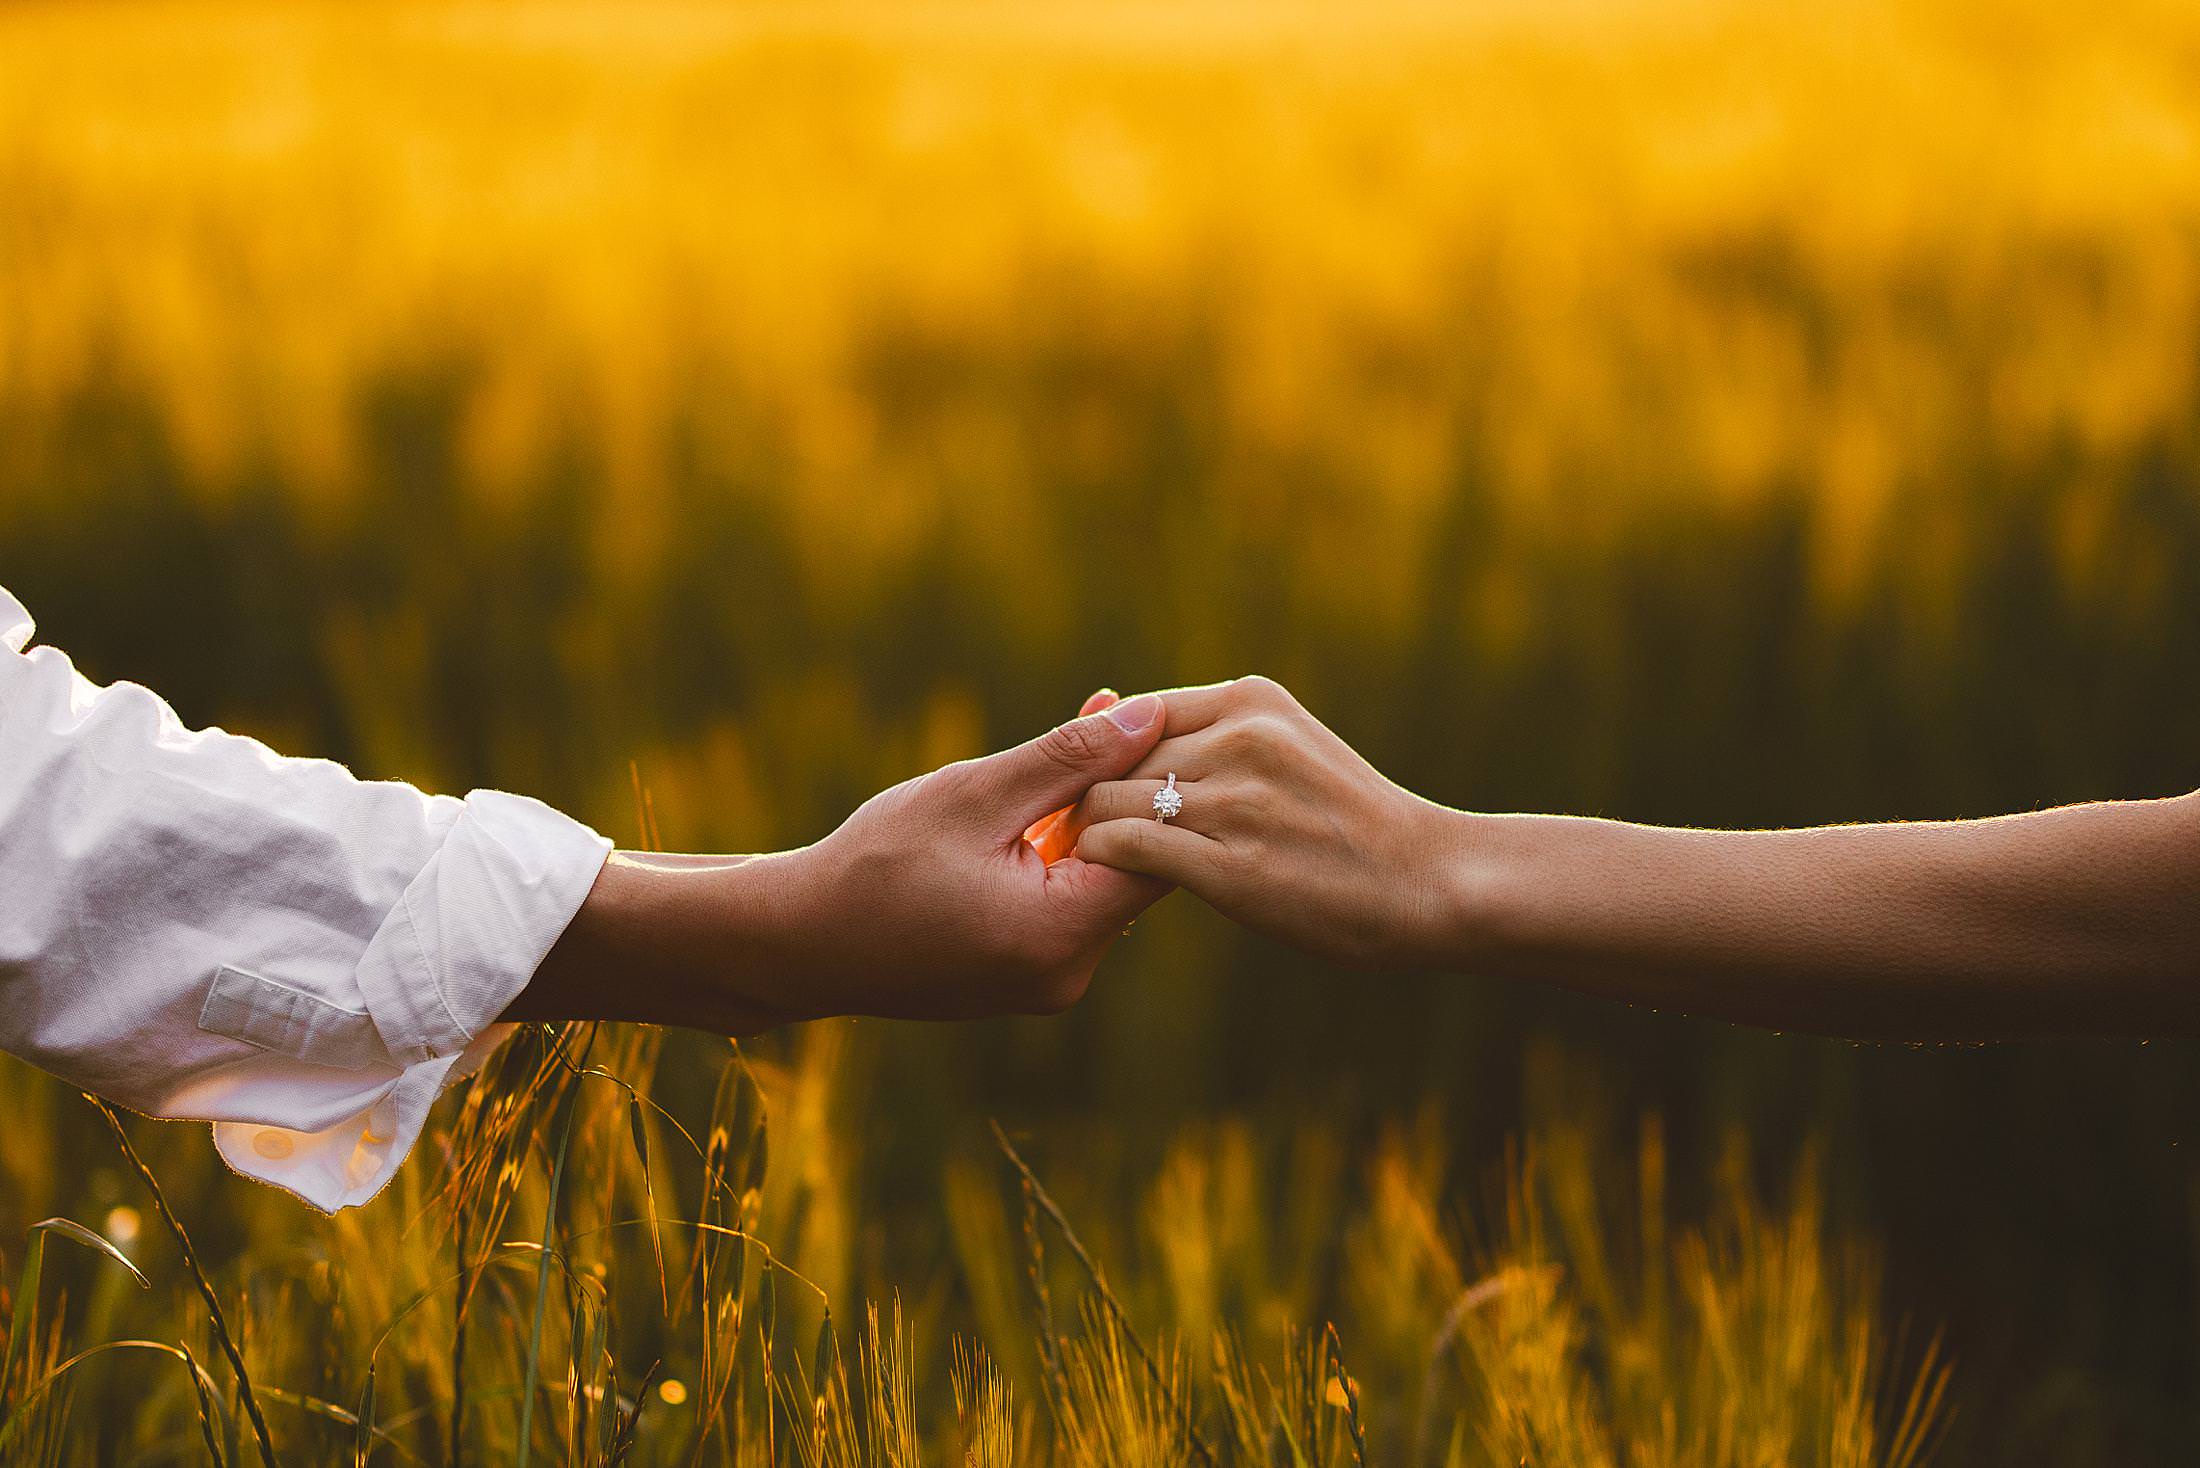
(1136,716)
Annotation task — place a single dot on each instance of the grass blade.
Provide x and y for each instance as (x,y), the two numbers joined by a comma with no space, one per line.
(97,1243)
(362,1437)
(26,1307)
(222,1336)
(623,1442)
(342,1416)
(203,1385)
(1351,1390)
(542,1271)
(638,1122)
(1107,1296)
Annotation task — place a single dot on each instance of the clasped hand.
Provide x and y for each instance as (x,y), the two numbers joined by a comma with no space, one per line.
(943,898)
(1283,827)
(996,885)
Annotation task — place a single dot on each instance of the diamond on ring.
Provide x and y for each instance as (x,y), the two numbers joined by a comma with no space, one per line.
(1168,800)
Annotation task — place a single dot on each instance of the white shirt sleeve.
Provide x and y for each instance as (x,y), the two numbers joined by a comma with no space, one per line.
(192,925)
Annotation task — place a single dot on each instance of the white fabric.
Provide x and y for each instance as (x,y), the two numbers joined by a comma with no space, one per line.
(192,925)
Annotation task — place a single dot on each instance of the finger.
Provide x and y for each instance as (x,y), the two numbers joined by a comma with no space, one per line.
(1125,800)
(1194,709)
(1023,784)
(1156,849)
(1103,699)
(1101,900)
(1190,757)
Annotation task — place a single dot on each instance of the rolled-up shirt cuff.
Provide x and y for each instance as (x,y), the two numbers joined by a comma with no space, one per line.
(474,926)
(462,941)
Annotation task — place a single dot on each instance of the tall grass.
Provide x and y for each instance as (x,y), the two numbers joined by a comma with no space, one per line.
(1569,1338)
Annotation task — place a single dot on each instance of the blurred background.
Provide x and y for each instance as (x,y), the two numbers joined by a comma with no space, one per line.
(1704,411)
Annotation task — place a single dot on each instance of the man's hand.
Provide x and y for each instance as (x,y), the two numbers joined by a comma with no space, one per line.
(930,904)
(927,903)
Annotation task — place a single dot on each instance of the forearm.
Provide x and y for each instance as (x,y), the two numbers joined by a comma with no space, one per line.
(2084,919)
(699,941)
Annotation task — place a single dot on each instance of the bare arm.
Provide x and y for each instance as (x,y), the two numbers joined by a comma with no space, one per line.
(668,939)
(2082,920)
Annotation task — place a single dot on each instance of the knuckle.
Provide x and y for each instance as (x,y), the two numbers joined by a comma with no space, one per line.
(1240,802)
(1106,803)
(1096,842)
(1274,733)
(1237,862)
(1138,838)
(1235,740)
(1074,745)
(1253,741)
(1106,838)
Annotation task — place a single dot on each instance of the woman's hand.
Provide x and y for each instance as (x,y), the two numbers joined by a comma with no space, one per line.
(1284,828)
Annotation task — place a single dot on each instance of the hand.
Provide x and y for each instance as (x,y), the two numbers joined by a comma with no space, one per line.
(930,903)
(927,903)
(1285,828)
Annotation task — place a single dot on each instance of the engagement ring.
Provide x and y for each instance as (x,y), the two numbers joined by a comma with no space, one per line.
(1167,801)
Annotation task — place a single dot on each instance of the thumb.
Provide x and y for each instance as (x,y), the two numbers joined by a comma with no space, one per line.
(1058,767)
(1049,834)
